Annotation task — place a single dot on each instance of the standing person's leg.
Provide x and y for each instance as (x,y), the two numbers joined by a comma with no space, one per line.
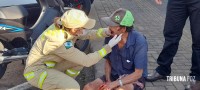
(194,10)
(175,20)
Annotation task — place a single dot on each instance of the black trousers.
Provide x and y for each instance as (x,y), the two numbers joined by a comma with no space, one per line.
(177,13)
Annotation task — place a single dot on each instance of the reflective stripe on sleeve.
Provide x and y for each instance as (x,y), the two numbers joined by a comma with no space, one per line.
(50,64)
(102,52)
(99,32)
(72,73)
(60,34)
(43,37)
(29,75)
(43,76)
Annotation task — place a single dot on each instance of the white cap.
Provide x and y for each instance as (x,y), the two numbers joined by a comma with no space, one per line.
(75,18)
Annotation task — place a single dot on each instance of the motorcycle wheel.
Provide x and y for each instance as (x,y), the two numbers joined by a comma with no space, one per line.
(84,5)
(82,44)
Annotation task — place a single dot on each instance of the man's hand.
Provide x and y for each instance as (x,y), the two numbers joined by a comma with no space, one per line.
(158,2)
(104,87)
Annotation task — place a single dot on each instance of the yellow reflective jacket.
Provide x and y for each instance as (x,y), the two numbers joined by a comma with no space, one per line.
(50,46)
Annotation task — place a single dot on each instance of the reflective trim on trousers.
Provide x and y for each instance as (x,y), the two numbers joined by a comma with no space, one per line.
(43,76)
(29,75)
(72,72)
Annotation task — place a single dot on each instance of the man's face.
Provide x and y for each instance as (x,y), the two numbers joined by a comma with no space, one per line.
(116,30)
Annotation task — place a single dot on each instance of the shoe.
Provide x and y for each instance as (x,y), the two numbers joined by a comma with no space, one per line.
(195,85)
(155,76)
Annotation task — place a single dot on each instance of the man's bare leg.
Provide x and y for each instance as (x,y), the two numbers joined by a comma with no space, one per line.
(126,87)
(93,85)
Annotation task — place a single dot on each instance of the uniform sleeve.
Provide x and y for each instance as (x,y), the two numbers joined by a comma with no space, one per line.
(94,34)
(76,56)
(140,58)
(107,39)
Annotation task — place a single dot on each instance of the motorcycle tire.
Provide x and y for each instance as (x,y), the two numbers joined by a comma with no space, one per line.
(82,44)
(86,6)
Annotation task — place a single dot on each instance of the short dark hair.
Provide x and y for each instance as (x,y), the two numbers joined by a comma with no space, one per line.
(128,29)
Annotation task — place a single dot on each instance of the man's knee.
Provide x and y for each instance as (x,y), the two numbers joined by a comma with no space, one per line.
(126,87)
(93,85)
(87,86)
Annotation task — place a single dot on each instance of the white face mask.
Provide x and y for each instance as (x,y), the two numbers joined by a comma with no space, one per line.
(84,32)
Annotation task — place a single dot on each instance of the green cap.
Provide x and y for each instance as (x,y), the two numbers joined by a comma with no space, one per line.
(121,17)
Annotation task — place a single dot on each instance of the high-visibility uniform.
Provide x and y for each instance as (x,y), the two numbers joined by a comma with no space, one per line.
(54,62)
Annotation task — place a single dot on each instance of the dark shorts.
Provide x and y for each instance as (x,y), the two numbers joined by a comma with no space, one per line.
(136,87)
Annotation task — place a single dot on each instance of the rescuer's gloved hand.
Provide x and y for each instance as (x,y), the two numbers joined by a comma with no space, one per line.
(114,40)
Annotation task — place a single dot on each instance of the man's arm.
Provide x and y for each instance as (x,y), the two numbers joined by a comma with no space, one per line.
(140,61)
(131,78)
(107,70)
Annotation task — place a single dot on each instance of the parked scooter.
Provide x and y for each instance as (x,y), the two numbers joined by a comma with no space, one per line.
(16,35)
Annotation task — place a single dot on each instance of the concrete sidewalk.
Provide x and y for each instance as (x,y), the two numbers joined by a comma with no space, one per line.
(150,21)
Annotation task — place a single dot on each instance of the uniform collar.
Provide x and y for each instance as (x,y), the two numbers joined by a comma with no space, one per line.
(69,36)
(131,39)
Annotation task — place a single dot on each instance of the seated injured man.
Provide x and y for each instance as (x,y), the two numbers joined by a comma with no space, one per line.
(126,65)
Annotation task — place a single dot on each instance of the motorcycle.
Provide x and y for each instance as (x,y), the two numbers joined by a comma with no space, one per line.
(21,25)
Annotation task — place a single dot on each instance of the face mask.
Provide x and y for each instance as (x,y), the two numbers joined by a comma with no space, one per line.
(84,32)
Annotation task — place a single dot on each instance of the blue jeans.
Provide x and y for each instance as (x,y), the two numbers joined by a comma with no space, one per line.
(177,13)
